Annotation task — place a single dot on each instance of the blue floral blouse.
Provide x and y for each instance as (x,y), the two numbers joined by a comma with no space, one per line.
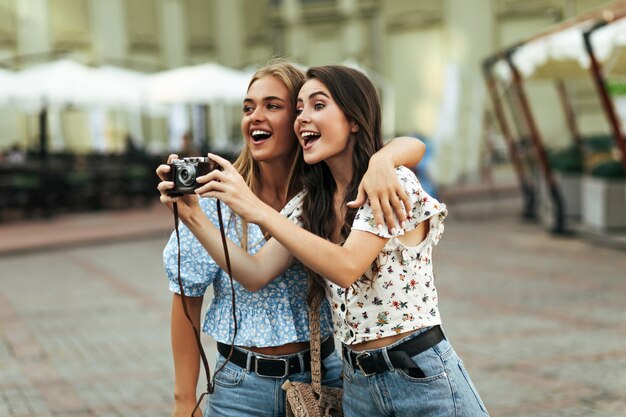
(273,316)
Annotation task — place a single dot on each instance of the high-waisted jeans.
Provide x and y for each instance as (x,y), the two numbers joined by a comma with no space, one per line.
(446,390)
(241,393)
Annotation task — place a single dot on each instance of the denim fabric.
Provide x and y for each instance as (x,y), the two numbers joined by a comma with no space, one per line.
(242,394)
(445,391)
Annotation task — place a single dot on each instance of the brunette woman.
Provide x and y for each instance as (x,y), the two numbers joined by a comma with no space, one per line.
(273,332)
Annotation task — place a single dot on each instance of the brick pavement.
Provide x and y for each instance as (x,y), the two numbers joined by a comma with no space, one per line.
(83,229)
(538,320)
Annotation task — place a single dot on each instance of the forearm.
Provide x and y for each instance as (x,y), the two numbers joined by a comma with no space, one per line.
(342,265)
(185,349)
(253,272)
(403,150)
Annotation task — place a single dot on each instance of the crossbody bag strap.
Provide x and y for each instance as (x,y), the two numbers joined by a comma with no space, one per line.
(315,342)
(210,384)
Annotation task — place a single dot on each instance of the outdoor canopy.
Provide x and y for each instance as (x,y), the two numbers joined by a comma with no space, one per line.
(199,84)
(563,55)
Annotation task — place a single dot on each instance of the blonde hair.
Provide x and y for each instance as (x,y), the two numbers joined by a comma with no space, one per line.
(292,77)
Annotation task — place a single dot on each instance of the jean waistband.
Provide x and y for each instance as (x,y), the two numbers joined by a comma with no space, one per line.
(275,366)
(398,356)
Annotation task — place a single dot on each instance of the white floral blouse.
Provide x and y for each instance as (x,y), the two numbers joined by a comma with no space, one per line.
(397,293)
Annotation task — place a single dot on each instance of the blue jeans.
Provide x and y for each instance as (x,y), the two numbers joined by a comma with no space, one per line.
(445,391)
(241,393)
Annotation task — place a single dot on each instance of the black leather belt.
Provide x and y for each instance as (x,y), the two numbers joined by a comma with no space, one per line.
(373,362)
(275,367)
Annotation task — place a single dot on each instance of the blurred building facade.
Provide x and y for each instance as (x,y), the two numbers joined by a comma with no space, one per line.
(424,55)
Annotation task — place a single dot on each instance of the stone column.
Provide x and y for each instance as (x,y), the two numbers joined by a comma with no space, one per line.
(173,33)
(230,32)
(295,36)
(33,30)
(109,34)
(470,33)
(352,43)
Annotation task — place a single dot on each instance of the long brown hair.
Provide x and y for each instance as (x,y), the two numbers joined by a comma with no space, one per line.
(292,77)
(356,96)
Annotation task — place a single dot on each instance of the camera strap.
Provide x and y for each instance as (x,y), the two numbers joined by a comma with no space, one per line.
(210,384)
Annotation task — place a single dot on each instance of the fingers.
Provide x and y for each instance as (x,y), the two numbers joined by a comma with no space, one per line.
(377,212)
(205,190)
(214,175)
(167,200)
(389,219)
(163,169)
(163,186)
(360,199)
(224,163)
(388,210)
(406,201)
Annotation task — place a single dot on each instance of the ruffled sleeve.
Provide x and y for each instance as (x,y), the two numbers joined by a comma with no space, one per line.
(293,209)
(197,268)
(423,207)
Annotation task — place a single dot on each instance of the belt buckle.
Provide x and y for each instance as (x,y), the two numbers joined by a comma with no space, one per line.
(260,358)
(357,359)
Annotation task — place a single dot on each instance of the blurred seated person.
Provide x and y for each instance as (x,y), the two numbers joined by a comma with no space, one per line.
(187,147)
(131,148)
(15,155)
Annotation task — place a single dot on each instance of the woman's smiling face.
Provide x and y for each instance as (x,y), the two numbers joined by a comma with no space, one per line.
(321,126)
(267,122)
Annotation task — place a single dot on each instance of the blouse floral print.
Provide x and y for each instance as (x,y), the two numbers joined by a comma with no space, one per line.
(273,316)
(397,293)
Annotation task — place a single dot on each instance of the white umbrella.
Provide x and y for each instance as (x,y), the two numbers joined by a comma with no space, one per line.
(199,84)
(126,88)
(62,82)
(7,86)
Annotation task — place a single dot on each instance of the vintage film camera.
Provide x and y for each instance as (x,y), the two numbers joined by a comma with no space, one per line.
(183,173)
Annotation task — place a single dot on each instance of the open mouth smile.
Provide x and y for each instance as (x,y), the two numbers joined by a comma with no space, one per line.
(259,135)
(308,138)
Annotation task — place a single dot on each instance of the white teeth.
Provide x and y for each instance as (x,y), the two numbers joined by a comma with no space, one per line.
(260,132)
(307,134)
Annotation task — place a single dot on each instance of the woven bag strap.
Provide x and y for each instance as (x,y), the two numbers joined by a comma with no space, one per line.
(315,342)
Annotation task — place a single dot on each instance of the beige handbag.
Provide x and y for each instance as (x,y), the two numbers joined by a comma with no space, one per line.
(313,400)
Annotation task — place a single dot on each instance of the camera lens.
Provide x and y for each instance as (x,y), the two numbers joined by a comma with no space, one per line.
(187,175)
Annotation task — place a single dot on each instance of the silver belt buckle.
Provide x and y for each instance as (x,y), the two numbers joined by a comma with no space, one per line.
(260,358)
(358,362)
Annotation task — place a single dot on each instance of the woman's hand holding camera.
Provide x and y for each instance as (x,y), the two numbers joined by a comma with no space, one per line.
(229,187)
(186,203)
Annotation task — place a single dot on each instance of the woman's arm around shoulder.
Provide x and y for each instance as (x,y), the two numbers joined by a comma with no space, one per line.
(380,184)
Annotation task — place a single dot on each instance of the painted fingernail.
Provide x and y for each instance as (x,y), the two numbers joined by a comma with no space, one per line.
(403,224)
(394,231)
(379,227)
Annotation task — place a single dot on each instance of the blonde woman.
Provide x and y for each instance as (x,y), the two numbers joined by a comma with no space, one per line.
(273,334)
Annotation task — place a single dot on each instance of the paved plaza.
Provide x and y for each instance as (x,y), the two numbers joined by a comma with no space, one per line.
(540,321)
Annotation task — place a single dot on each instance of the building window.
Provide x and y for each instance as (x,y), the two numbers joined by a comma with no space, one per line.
(7,22)
(142,24)
(200,26)
(69,23)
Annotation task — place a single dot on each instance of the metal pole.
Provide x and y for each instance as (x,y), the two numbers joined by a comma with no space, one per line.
(605,99)
(570,116)
(555,194)
(43,134)
(522,176)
